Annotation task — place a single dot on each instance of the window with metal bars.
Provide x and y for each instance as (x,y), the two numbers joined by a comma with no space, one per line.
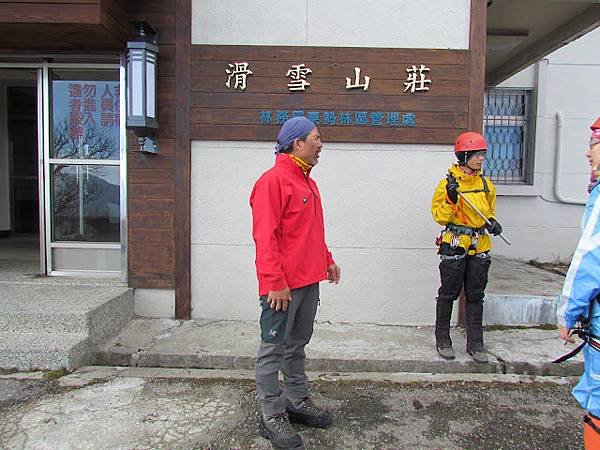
(508,133)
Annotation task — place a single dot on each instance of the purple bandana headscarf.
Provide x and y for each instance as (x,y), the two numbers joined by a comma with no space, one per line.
(292,129)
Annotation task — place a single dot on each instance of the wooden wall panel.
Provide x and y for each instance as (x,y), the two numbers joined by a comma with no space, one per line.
(151,178)
(46,12)
(65,25)
(477,45)
(183,164)
(219,112)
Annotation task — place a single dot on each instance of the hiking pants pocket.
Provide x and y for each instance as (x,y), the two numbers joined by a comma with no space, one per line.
(272,323)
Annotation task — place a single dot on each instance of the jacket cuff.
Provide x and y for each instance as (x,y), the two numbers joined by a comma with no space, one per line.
(278,285)
(330,260)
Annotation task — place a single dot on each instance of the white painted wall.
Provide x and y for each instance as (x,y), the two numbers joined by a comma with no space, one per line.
(566,82)
(376,197)
(378,226)
(336,23)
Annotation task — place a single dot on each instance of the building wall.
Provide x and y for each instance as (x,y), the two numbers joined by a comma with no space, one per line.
(389,23)
(378,226)
(565,83)
(151,187)
(376,196)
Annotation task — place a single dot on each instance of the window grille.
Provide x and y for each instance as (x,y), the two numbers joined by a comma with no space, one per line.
(508,133)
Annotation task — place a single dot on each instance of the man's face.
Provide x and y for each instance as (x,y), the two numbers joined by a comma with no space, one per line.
(309,149)
(593,155)
(476,161)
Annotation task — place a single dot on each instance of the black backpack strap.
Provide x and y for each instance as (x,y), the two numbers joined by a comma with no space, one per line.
(583,336)
(486,189)
(588,421)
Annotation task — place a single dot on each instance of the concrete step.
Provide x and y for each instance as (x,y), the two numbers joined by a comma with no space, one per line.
(47,326)
(44,322)
(43,351)
(221,344)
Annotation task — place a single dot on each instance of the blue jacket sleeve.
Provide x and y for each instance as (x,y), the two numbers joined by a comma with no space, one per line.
(582,284)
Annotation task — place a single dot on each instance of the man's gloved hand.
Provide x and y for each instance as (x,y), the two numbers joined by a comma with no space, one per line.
(452,188)
(494,227)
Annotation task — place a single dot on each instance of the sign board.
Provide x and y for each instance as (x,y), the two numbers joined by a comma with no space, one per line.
(352,94)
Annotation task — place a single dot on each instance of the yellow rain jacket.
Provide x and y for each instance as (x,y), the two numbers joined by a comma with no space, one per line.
(445,212)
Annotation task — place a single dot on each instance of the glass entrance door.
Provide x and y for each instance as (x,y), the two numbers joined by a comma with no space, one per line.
(83,173)
(80,157)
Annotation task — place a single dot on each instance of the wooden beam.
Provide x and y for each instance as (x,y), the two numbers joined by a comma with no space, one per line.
(183,38)
(41,13)
(573,29)
(507,32)
(477,46)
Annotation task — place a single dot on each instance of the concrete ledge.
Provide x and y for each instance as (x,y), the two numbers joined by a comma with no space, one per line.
(219,344)
(92,374)
(513,310)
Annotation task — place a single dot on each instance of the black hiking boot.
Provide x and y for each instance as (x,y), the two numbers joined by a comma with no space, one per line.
(280,432)
(475,346)
(446,351)
(443,343)
(307,413)
(479,356)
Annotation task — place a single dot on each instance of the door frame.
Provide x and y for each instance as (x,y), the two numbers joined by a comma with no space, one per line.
(44,161)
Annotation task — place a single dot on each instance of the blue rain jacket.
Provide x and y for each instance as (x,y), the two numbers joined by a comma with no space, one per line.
(581,288)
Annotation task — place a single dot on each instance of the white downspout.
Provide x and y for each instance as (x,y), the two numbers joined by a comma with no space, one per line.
(561,198)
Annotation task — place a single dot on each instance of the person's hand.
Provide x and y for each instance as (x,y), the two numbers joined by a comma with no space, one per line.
(278,300)
(452,188)
(334,273)
(494,227)
(563,332)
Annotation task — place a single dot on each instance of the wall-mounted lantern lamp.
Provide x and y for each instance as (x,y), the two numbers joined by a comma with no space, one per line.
(141,78)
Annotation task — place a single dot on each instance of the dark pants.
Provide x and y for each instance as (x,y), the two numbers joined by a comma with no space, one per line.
(470,273)
(283,338)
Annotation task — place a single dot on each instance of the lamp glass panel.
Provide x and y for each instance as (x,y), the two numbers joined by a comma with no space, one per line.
(151,85)
(135,83)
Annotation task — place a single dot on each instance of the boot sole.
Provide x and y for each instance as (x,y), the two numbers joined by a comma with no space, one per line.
(264,433)
(297,418)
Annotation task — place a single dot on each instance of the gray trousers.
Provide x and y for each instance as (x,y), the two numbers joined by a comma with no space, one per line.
(285,352)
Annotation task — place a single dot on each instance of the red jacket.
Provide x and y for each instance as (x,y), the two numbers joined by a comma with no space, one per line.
(288,229)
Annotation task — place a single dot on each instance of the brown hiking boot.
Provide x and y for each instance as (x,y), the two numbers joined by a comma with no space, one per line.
(280,432)
(307,413)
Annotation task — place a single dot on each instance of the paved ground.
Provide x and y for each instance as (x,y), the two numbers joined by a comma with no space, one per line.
(139,408)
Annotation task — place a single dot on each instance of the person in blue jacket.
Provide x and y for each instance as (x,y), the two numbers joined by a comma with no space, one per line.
(581,301)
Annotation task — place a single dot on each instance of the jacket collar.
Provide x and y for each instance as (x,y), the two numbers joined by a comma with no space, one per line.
(283,161)
(460,175)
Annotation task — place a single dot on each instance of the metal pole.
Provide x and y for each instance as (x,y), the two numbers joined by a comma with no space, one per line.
(481,215)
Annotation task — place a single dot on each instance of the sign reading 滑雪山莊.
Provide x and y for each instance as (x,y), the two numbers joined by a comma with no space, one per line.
(352,94)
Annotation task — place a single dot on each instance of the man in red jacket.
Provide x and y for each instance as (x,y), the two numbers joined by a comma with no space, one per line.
(291,259)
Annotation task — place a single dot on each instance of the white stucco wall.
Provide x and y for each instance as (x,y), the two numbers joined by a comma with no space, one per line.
(566,82)
(335,23)
(376,197)
(378,226)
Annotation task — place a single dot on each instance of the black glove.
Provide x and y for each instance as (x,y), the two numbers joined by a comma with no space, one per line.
(452,188)
(494,227)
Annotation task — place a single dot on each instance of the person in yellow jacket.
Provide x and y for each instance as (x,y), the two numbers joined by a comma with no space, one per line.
(464,244)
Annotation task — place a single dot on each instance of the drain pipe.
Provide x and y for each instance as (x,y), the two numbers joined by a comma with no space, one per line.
(561,198)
